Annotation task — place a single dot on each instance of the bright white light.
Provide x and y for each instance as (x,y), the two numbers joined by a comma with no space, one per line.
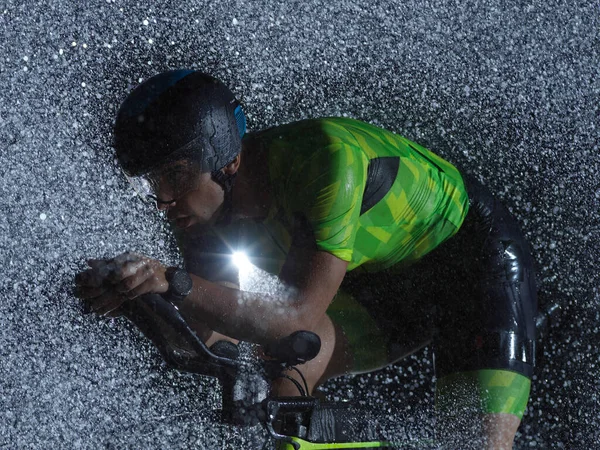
(255,279)
(241,261)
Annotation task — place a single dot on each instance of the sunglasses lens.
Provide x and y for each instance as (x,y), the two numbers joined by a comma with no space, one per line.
(166,185)
(143,187)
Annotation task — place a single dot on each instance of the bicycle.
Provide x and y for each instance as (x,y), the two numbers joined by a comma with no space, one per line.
(294,423)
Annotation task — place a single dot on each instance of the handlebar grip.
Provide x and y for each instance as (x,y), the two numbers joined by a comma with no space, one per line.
(297,348)
(225,349)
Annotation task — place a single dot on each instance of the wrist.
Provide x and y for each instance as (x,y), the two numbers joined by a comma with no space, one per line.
(179,284)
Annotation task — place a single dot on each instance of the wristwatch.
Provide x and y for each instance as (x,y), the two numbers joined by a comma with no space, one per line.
(180,284)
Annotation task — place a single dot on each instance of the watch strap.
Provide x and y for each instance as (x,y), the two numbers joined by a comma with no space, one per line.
(180,284)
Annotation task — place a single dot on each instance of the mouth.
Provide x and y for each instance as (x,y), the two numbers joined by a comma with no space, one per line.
(183,222)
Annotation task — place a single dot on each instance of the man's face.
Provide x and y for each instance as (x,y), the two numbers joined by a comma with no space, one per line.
(188,196)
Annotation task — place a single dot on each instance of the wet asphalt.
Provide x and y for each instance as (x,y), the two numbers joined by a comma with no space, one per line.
(508,92)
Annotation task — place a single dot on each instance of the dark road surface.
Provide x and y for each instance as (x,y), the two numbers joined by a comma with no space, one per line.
(510,93)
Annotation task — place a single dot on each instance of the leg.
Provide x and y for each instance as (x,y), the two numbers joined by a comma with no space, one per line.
(499,430)
(485,342)
(357,340)
(334,359)
(483,407)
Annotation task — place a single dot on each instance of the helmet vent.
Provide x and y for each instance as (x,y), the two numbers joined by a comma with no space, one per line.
(240,119)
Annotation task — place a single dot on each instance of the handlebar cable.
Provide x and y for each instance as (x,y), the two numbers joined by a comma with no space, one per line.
(301,376)
(303,393)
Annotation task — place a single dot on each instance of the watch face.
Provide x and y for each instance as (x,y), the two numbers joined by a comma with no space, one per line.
(180,283)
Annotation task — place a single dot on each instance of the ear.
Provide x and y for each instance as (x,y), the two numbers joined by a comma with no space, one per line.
(233,166)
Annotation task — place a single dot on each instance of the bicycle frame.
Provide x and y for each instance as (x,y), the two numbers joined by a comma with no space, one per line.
(299,444)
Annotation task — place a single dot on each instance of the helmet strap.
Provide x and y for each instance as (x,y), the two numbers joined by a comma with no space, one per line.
(226,182)
(223,179)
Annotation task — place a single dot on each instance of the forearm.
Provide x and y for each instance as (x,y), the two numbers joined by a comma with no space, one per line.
(247,316)
(202,330)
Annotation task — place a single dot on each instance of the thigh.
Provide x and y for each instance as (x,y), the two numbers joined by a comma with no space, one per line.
(332,360)
(487,319)
(382,318)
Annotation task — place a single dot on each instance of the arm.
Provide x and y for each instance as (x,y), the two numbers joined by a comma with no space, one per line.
(326,191)
(206,256)
(322,198)
(313,278)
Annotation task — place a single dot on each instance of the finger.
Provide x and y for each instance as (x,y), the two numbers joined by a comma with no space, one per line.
(89,278)
(126,257)
(127,269)
(99,272)
(89,292)
(112,305)
(117,312)
(99,303)
(149,285)
(132,282)
(260,352)
(110,268)
(148,269)
(97,263)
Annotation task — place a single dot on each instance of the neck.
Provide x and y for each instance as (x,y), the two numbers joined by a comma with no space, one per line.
(251,191)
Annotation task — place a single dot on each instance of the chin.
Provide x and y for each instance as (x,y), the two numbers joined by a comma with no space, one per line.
(192,229)
(199,222)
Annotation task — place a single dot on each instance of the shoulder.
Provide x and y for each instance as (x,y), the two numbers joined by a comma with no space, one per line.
(317,132)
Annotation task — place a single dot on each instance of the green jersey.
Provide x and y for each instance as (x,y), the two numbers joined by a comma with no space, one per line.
(370,197)
(324,170)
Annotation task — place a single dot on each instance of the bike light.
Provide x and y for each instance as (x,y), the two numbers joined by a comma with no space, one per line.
(240,259)
(253,278)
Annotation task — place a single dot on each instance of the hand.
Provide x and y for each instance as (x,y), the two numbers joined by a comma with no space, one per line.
(111,282)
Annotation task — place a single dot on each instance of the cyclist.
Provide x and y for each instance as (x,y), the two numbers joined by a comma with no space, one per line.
(382,247)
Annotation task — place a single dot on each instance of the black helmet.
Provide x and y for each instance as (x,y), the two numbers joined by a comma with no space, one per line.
(180,114)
